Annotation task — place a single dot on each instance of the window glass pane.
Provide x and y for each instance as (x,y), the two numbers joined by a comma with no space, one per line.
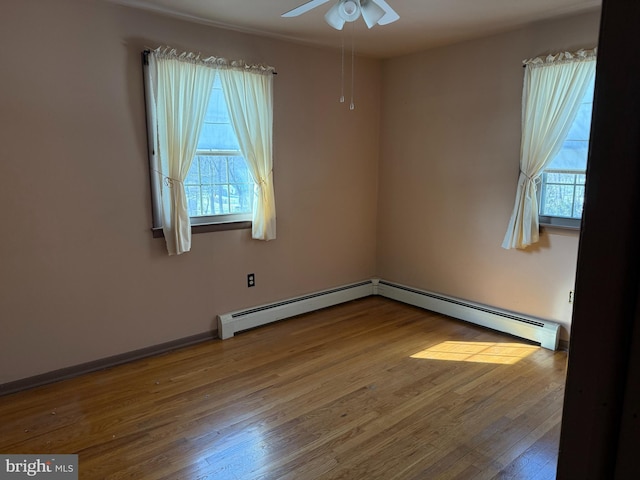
(213,169)
(562,195)
(206,169)
(240,185)
(217,136)
(221,170)
(194,206)
(553,178)
(207,200)
(558,201)
(573,155)
(567,178)
(217,110)
(238,170)
(193,176)
(581,127)
(564,178)
(222,183)
(217,132)
(224,186)
(241,197)
(579,202)
(220,199)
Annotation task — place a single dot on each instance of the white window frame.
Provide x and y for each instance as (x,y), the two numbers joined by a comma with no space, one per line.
(225,217)
(570,223)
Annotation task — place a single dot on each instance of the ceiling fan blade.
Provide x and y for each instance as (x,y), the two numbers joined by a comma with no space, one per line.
(304,8)
(390,15)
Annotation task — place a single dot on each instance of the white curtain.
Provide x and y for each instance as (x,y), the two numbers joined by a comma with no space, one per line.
(249,96)
(553,89)
(183,88)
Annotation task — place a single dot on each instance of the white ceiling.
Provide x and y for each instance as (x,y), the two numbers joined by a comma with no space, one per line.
(423,23)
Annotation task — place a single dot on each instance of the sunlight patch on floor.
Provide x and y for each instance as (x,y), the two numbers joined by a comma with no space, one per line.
(478,352)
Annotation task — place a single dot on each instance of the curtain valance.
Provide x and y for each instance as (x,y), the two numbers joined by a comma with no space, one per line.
(562,57)
(213,62)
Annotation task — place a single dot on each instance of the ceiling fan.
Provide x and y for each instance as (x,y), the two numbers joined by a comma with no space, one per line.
(373,12)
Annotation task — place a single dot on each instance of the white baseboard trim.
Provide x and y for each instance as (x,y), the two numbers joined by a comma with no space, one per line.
(541,331)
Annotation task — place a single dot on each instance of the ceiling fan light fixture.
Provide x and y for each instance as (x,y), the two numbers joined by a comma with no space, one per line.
(343,11)
(371,12)
(333,17)
(350,10)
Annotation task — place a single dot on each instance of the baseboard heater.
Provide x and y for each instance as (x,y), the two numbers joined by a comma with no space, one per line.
(535,329)
(231,323)
(541,331)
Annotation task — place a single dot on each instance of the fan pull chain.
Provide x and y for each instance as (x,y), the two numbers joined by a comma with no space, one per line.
(353,68)
(352,105)
(342,75)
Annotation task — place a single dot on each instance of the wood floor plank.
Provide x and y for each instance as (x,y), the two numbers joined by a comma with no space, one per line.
(371,389)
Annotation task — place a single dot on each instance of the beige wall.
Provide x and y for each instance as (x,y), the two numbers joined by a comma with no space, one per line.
(80,276)
(450,141)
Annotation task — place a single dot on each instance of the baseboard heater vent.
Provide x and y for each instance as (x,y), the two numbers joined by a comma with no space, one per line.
(544,332)
(537,330)
(231,323)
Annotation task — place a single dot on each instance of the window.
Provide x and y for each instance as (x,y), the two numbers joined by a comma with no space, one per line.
(553,91)
(219,186)
(563,180)
(210,129)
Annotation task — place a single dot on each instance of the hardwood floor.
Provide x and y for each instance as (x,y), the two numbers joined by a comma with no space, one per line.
(371,389)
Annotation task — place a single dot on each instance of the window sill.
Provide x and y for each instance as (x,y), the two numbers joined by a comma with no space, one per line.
(209,227)
(570,224)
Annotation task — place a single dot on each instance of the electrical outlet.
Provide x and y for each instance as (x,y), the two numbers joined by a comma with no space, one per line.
(251,280)
(570,296)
